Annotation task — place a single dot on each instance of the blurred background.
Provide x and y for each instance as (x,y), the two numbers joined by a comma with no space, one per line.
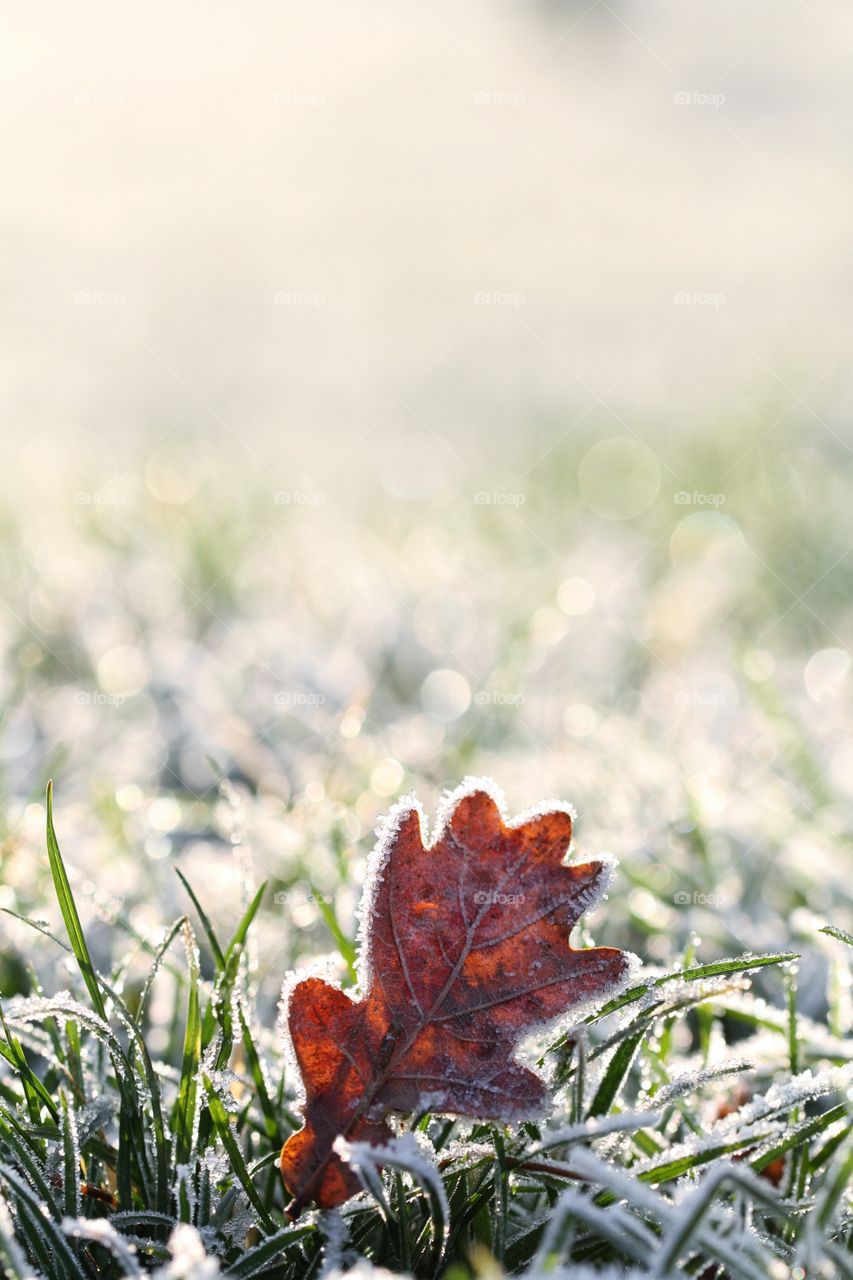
(397,392)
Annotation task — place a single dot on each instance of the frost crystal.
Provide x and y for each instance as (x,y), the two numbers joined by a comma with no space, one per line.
(102,1232)
(190,1260)
(405,1153)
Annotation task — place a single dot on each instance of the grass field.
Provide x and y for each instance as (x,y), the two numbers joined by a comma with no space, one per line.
(230,685)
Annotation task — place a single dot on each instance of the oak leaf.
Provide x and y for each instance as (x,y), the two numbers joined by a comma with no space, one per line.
(464,952)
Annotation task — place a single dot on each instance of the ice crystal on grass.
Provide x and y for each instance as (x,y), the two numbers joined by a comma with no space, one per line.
(334,1229)
(102,1232)
(189,1258)
(693,1081)
(403,1153)
(589,1130)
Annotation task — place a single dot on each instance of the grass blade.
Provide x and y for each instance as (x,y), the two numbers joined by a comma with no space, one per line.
(68,908)
(617,1069)
(70,1160)
(258,1257)
(245,924)
(222,1124)
(12,1259)
(840,934)
(49,1230)
(210,933)
(185,1106)
(715,969)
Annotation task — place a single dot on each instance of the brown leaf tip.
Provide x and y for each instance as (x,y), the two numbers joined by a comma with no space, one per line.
(475,813)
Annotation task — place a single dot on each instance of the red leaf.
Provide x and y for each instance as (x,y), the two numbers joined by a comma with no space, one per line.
(465,951)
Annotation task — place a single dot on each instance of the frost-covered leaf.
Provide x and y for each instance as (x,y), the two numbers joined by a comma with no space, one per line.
(465,951)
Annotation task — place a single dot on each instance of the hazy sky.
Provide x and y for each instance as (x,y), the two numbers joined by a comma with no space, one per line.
(324,227)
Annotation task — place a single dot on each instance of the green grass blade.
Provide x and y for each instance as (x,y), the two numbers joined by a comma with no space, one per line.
(641,992)
(124,1157)
(840,934)
(210,933)
(617,1069)
(30,1204)
(268,1108)
(103,1233)
(345,947)
(159,953)
(148,1218)
(13,1263)
(70,1160)
(796,1136)
(262,1254)
(245,924)
(34,1090)
(152,1084)
(670,1169)
(715,969)
(185,1106)
(29,1229)
(837,1186)
(690,1220)
(68,908)
(18,1141)
(222,1125)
